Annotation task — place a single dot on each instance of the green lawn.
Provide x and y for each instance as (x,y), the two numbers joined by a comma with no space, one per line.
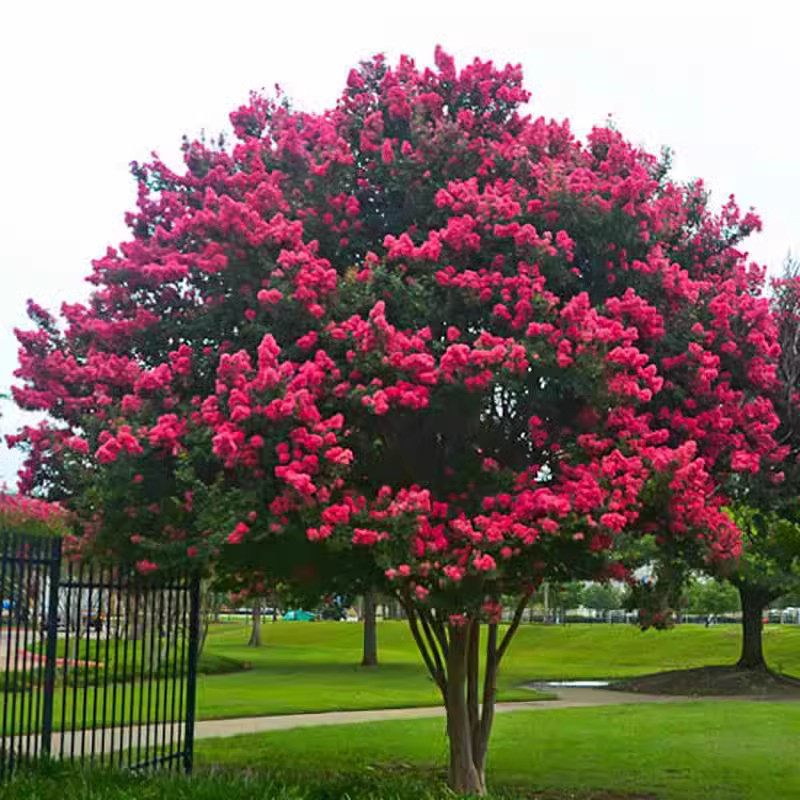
(710,750)
(305,667)
(313,666)
(685,751)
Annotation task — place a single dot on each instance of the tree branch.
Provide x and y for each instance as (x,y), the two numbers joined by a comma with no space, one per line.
(441,633)
(480,738)
(473,675)
(438,677)
(512,628)
(432,642)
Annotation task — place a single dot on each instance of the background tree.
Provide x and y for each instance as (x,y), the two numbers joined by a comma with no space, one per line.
(768,568)
(256,614)
(602,597)
(789,600)
(570,595)
(710,596)
(766,507)
(422,330)
(369,656)
(302,575)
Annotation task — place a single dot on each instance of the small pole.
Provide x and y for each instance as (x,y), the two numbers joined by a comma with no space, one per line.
(191,672)
(54,585)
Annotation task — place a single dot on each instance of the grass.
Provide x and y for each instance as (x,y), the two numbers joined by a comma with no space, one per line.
(683,751)
(121,663)
(312,667)
(57,784)
(710,750)
(122,700)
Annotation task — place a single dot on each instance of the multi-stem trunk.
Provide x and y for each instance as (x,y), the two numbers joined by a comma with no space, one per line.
(466,774)
(753,603)
(451,652)
(370,655)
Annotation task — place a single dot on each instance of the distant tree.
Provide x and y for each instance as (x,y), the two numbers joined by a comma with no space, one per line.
(570,595)
(369,657)
(302,575)
(789,600)
(257,612)
(711,596)
(602,597)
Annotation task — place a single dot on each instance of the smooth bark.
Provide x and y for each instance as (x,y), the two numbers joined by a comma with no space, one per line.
(451,651)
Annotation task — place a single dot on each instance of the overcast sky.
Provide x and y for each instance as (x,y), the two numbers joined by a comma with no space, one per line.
(87,87)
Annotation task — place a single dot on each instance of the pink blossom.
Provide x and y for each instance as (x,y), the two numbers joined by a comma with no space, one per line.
(236,536)
(484,563)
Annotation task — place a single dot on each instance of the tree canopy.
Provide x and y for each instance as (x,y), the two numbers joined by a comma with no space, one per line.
(422,329)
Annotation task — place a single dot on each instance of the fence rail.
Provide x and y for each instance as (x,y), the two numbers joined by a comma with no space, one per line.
(96,665)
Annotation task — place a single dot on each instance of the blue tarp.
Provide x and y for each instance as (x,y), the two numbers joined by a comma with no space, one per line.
(298,616)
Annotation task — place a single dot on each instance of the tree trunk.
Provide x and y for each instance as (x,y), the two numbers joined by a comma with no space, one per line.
(465,776)
(451,652)
(255,633)
(370,654)
(753,603)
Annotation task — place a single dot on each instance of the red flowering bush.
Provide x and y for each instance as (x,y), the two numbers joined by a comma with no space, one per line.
(29,515)
(422,326)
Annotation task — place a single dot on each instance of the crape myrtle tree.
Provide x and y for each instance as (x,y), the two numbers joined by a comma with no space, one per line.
(31,515)
(421,329)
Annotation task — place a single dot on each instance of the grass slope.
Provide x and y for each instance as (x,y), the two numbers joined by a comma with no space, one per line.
(314,666)
(306,667)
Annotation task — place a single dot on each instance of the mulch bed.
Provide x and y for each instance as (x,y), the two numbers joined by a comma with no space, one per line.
(713,681)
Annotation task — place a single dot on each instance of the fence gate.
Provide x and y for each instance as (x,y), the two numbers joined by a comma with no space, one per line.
(96,666)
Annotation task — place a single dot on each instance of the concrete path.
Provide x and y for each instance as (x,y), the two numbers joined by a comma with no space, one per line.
(107,740)
(566,698)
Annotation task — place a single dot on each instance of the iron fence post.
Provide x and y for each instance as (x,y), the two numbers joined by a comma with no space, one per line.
(191,672)
(54,584)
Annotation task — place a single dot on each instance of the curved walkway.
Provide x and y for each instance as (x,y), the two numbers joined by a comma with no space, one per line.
(107,740)
(567,697)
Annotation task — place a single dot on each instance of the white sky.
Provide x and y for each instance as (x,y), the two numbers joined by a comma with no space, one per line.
(87,87)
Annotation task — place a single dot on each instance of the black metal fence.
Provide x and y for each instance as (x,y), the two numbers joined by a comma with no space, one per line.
(96,665)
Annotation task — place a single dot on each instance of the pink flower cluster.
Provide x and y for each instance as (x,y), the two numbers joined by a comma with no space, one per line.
(422,323)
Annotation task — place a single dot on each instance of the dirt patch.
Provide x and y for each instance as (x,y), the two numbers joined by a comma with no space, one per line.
(713,681)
